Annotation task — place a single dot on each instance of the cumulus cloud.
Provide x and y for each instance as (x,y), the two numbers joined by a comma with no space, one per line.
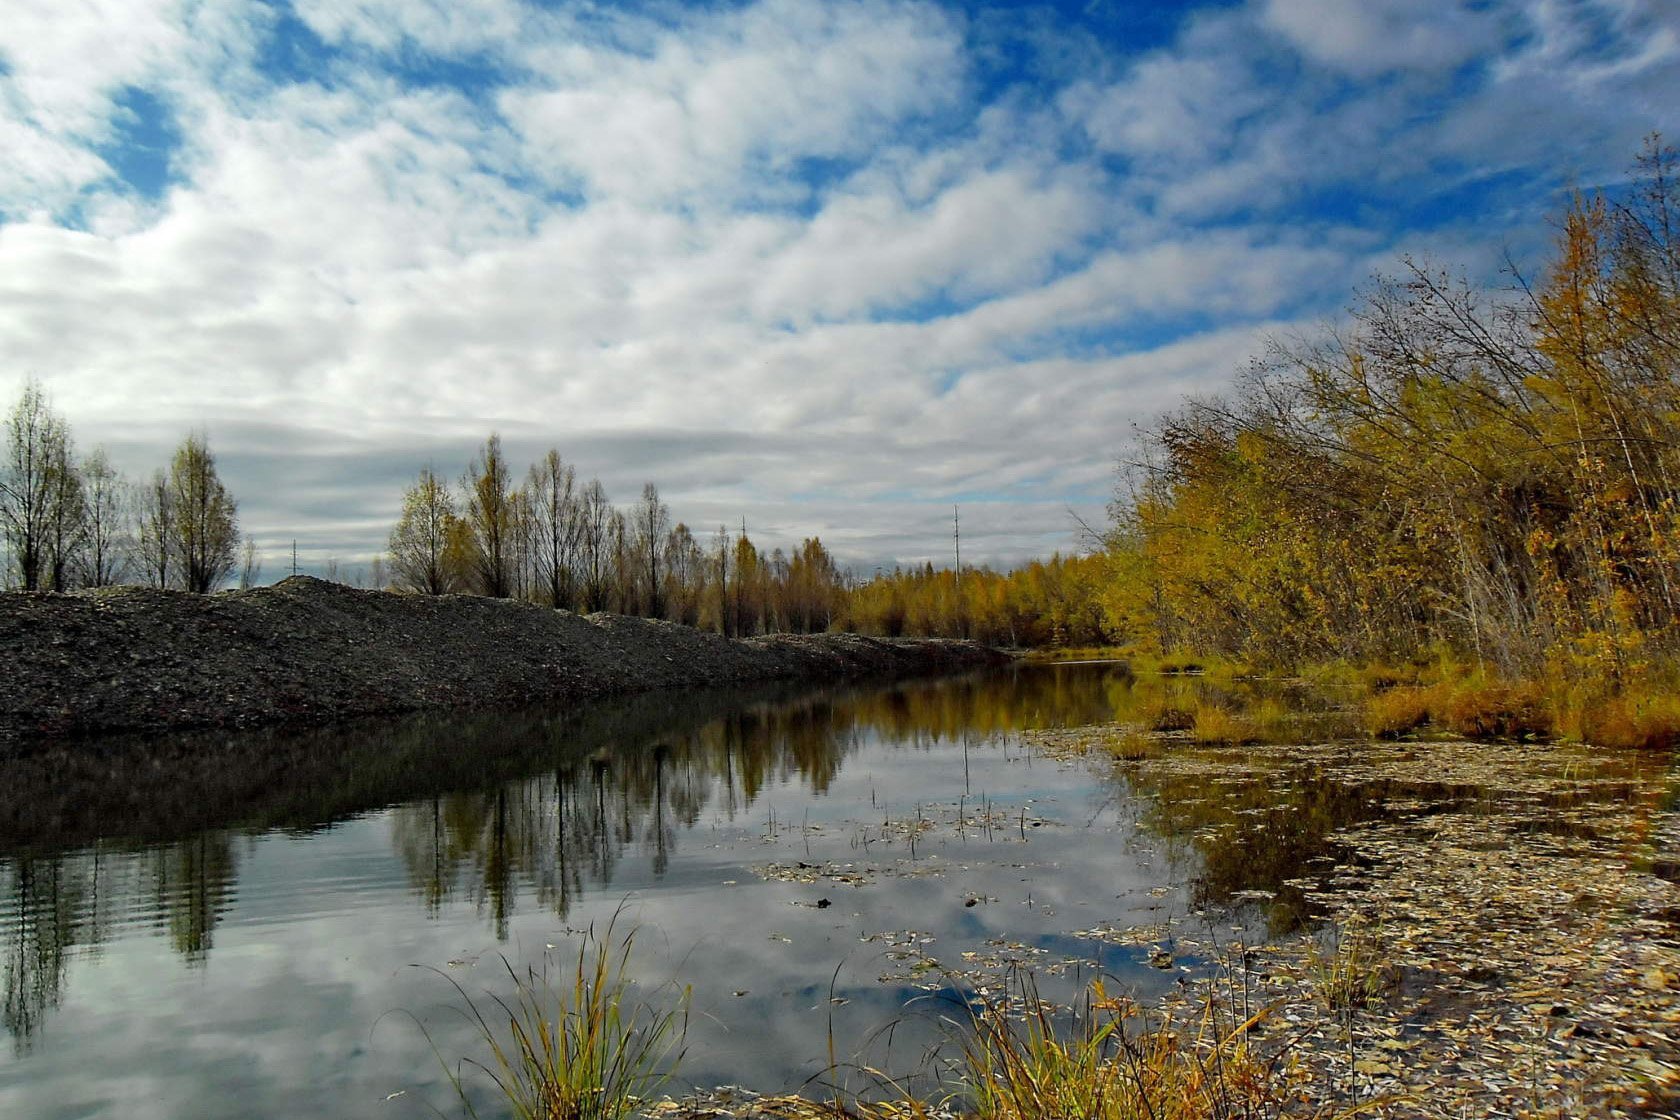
(732,104)
(828,266)
(65,68)
(1379,36)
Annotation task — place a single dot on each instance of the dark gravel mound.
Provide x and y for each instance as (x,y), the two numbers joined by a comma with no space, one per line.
(308,651)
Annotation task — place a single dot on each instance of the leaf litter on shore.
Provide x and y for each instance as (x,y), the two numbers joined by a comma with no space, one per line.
(1533,948)
(1529,947)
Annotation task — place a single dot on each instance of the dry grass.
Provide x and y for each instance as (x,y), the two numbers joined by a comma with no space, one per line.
(1399,710)
(1132,745)
(1165,714)
(1054,654)
(1479,709)
(1021,1058)
(573,1050)
(1353,968)
(1642,717)
(1112,1064)
(1472,706)
(1215,725)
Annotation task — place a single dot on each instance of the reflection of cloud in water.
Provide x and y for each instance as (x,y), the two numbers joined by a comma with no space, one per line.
(266,864)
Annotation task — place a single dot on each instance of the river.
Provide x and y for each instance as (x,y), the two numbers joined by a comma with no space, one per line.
(275,924)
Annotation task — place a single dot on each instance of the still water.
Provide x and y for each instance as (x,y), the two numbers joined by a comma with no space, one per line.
(217,926)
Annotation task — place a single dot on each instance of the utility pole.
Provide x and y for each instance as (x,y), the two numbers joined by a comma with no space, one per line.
(294,556)
(956,538)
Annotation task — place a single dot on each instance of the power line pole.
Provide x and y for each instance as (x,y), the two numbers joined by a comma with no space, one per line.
(956,539)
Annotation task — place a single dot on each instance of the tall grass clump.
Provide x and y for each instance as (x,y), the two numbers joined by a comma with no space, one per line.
(573,1045)
(1642,714)
(1482,709)
(1399,710)
(1470,704)
(1353,970)
(1213,724)
(1133,745)
(1112,1064)
(1648,721)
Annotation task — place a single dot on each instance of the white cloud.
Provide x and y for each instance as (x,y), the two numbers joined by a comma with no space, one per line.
(63,68)
(447,27)
(1377,36)
(871,252)
(978,292)
(731,106)
(1172,107)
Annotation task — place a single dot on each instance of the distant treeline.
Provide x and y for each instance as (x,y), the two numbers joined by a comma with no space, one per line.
(1058,602)
(548,539)
(70,521)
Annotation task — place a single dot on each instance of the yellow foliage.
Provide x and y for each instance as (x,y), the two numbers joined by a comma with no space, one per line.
(1216,725)
(1462,478)
(1396,711)
(1482,710)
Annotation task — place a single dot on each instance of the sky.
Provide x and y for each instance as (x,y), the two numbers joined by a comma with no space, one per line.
(833,268)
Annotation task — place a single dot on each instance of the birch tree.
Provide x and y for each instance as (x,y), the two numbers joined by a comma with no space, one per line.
(206,518)
(490,519)
(39,493)
(419,544)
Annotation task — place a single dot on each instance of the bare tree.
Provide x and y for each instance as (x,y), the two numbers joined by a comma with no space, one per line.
(39,491)
(621,551)
(107,544)
(594,525)
(651,522)
(420,543)
(720,553)
(66,521)
(554,527)
(250,565)
(155,515)
(206,525)
(685,575)
(522,544)
(490,516)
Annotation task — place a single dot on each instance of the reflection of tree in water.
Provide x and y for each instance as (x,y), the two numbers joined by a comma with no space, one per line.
(41,925)
(548,833)
(493,806)
(192,884)
(1263,829)
(60,906)
(628,780)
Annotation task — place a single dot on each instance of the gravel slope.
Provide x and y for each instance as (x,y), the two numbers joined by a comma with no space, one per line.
(308,651)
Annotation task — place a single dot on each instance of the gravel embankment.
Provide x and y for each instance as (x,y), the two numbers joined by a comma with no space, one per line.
(308,651)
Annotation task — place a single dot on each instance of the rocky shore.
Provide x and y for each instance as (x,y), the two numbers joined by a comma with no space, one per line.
(306,651)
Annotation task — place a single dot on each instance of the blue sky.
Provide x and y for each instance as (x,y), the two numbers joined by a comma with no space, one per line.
(827,266)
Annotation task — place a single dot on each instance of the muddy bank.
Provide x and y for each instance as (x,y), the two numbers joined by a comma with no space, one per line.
(309,652)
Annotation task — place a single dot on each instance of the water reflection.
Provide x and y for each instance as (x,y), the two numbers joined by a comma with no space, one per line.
(61,905)
(504,811)
(1257,836)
